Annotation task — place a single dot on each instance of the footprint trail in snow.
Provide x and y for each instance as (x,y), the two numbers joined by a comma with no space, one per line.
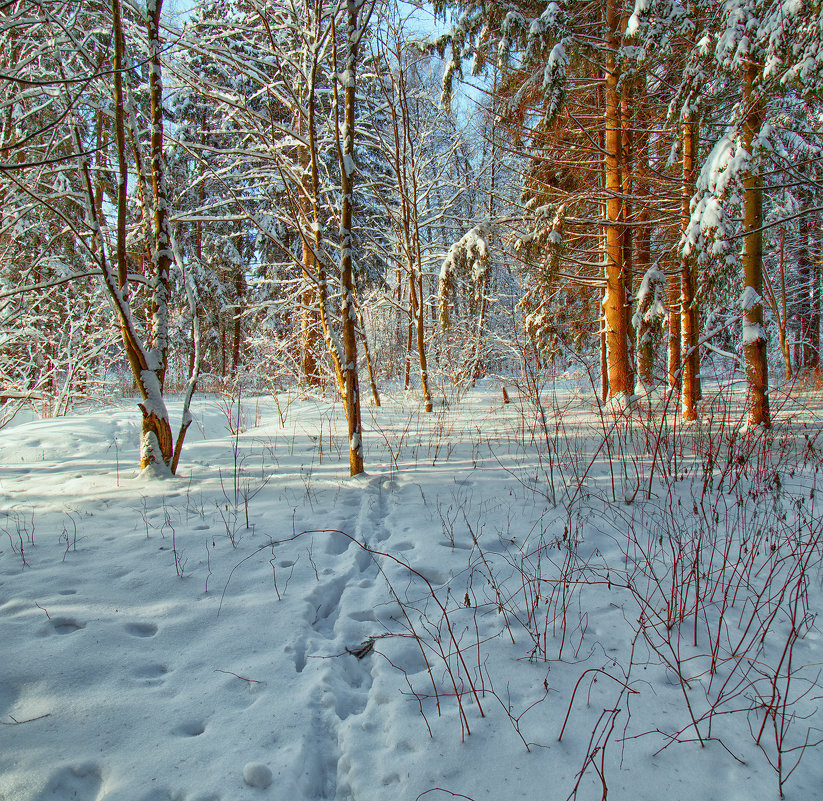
(337,652)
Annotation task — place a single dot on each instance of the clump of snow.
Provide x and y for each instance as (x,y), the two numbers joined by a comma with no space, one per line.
(467,259)
(749,299)
(257,775)
(652,303)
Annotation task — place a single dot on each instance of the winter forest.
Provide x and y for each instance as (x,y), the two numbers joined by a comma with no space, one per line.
(407,399)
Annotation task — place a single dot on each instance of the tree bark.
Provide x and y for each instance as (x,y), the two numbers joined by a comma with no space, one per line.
(809,322)
(308,315)
(148,365)
(348,309)
(627,121)
(754,335)
(814,323)
(615,304)
(645,349)
(688,278)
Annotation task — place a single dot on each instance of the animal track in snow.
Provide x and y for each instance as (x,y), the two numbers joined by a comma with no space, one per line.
(341,613)
(190,728)
(336,544)
(81,781)
(141,629)
(150,671)
(355,698)
(326,602)
(390,778)
(363,615)
(319,779)
(299,649)
(66,625)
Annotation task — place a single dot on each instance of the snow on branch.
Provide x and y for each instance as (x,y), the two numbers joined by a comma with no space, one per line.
(711,228)
(652,303)
(467,258)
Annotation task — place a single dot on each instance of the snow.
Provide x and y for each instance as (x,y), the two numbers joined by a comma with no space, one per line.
(749,299)
(753,332)
(652,301)
(260,626)
(257,775)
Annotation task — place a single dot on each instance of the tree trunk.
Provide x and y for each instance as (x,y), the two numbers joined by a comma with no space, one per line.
(407,365)
(754,334)
(405,167)
(615,305)
(148,365)
(688,300)
(418,315)
(361,321)
(673,280)
(645,349)
(237,333)
(806,358)
(348,309)
(780,307)
(814,323)
(421,315)
(604,356)
(627,121)
(308,315)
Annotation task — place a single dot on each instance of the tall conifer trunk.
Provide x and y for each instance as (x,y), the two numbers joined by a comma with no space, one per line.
(644,347)
(688,300)
(615,304)
(754,335)
(627,121)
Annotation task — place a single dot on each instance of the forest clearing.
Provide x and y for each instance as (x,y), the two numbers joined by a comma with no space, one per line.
(407,400)
(514,598)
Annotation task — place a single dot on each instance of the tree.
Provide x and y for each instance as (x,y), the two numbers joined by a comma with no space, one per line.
(556,51)
(54,347)
(419,142)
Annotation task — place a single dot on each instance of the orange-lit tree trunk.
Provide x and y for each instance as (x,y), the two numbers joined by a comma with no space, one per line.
(308,316)
(357,17)
(644,345)
(615,303)
(627,124)
(688,281)
(754,335)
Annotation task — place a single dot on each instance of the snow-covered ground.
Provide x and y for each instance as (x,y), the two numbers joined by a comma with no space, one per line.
(263,626)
